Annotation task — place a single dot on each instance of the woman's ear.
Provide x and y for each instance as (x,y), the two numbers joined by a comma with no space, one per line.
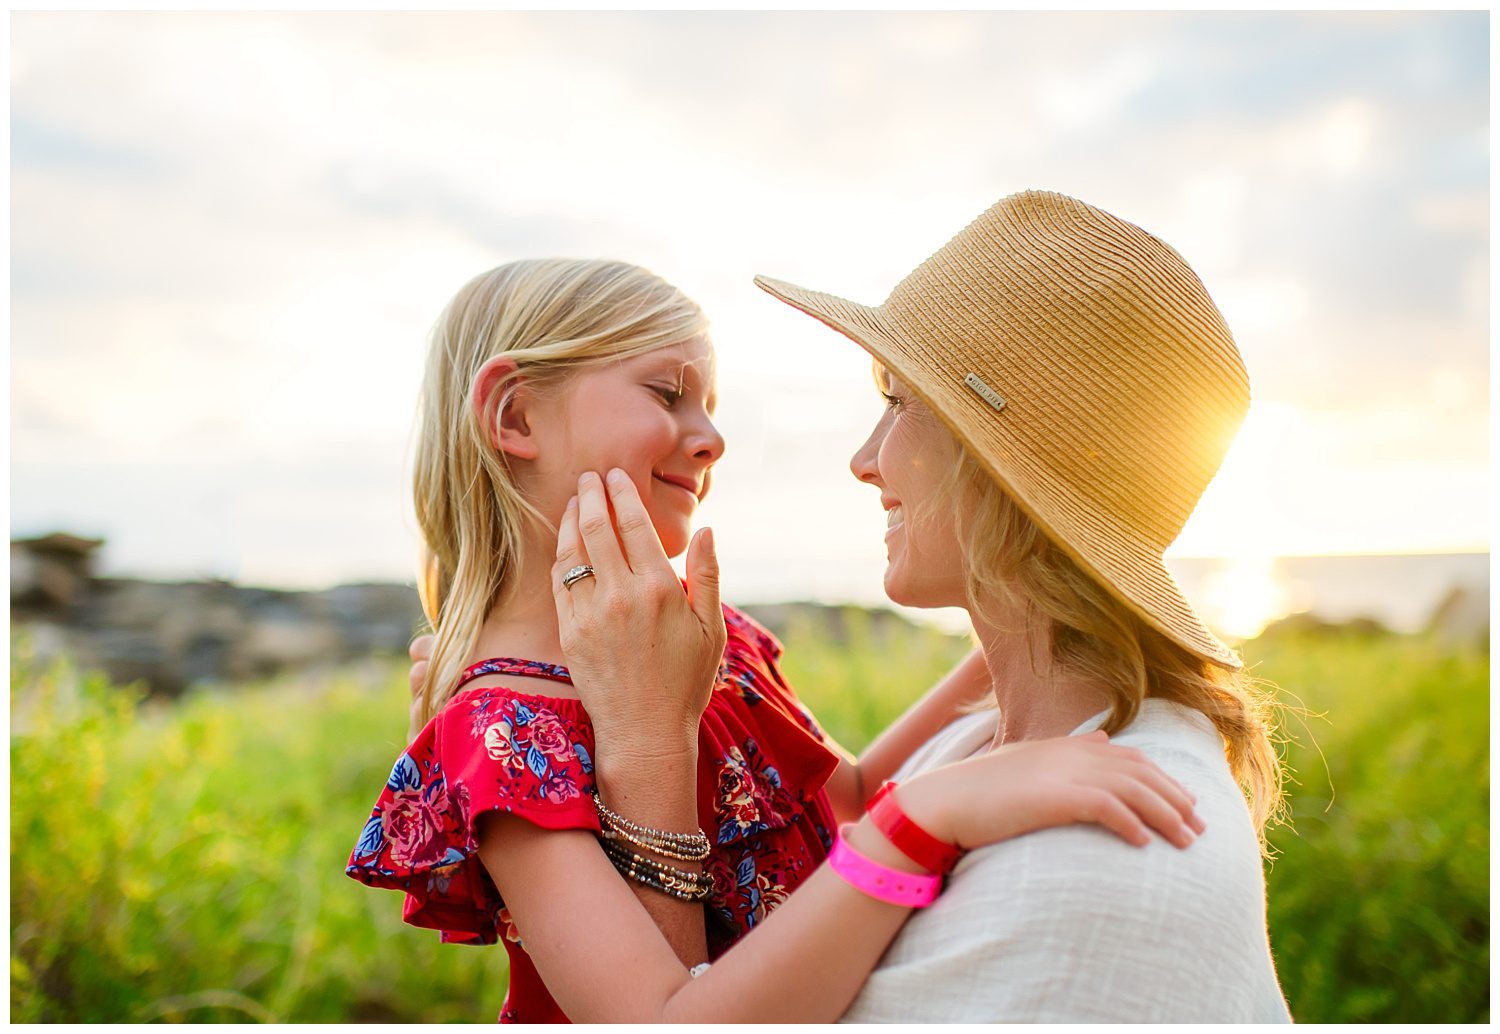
(505,425)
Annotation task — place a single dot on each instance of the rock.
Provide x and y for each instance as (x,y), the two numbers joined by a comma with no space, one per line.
(1462,616)
(50,575)
(172,635)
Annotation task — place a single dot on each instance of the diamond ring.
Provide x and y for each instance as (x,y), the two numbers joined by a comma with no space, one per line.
(575,574)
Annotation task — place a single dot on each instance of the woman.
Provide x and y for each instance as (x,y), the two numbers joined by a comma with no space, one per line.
(1061,390)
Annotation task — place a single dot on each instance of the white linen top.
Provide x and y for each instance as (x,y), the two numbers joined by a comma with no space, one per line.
(1073,924)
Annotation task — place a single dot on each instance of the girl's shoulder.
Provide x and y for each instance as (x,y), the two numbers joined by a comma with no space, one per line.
(751,671)
(476,709)
(490,749)
(528,750)
(747,634)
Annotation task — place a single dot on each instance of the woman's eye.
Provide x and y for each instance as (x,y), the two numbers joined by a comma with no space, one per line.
(891,401)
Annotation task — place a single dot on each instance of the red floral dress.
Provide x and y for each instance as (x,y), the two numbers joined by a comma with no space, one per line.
(761,770)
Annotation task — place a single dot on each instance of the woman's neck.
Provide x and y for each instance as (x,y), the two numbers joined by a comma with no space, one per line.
(1036,701)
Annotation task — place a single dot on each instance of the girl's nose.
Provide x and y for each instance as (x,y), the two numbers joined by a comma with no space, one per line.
(708,443)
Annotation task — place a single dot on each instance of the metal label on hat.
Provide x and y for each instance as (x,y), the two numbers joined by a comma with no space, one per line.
(984,391)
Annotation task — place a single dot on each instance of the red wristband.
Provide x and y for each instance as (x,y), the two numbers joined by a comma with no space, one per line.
(909,838)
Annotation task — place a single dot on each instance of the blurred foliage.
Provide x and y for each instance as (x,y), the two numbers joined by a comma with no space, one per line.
(1379,893)
(185,862)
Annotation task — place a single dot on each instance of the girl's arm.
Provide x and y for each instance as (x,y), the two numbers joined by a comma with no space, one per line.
(603,960)
(856,779)
(659,791)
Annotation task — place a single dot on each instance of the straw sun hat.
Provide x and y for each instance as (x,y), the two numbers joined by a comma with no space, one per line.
(1085,366)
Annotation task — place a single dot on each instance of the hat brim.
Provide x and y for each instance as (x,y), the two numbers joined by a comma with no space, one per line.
(1126,567)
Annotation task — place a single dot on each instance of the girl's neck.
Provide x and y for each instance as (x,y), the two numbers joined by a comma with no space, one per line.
(1035,700)
(524,625)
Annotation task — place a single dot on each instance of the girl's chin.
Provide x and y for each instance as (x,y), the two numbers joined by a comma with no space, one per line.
(674,536)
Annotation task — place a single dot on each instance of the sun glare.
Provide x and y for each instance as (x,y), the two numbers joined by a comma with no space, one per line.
(1243,596)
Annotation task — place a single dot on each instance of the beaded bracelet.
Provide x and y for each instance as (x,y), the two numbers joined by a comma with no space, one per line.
(687,847)
(656,845)
(687,886)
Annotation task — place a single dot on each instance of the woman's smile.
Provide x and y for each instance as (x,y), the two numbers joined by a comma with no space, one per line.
(893,519)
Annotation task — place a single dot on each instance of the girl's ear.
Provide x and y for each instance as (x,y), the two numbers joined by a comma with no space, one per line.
(506,425)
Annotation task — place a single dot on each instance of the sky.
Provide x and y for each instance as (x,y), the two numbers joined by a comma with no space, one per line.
(231,233)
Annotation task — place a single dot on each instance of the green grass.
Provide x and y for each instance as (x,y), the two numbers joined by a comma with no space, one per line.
(1379,893)
(186,862)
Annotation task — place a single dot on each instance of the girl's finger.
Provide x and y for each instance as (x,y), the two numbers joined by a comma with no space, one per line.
(642,548)
(1113,814)
(1172,791)
(1155,811)
(598,530)
(420,648)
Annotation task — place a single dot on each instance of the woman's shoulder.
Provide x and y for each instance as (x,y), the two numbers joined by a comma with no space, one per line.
(959,739)
(1165,724)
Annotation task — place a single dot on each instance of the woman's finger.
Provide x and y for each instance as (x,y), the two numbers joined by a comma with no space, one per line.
(703,579)
(417,676)
(642,548)
(420,648)
(598,530)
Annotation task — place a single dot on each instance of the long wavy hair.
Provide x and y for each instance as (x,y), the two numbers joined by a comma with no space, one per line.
(554,317)
(1090,633)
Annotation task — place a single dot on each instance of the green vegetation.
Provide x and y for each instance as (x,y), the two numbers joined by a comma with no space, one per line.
(1379,893)
(185,862)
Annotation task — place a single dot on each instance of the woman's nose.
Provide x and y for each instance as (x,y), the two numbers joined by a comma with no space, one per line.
(863,463)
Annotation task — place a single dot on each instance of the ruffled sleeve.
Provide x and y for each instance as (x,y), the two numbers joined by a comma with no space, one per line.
(751,661)
(769,758)
(488,750)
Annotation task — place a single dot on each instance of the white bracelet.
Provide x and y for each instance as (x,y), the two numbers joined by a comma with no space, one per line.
(698,970)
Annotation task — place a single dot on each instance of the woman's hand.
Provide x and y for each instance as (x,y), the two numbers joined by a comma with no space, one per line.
(420,652)
(1023,787)
(643,654)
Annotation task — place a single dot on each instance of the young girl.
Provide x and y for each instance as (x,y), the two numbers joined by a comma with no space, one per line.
(578,396)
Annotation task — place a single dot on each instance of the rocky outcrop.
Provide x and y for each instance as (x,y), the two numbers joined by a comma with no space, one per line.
(171,635)
(50,576)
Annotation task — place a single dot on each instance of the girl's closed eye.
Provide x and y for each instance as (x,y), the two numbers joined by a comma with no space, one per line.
(891,401)
(670,393)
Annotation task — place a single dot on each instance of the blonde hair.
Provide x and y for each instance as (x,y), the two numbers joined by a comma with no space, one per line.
(1091,633)
(553,317)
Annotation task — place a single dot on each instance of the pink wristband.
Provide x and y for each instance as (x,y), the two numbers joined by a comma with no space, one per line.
(893,886)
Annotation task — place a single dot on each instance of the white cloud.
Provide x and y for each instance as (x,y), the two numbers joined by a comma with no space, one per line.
(231,234)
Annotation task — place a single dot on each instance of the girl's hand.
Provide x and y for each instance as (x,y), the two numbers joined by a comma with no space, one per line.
(643,654)
(1023,787)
